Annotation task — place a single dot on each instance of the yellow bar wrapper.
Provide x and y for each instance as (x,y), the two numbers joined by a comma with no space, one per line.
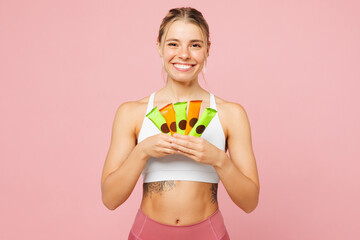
(158,119)
(180,116)
(203,122)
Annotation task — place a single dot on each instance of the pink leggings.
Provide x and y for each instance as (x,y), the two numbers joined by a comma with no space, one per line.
(145,228)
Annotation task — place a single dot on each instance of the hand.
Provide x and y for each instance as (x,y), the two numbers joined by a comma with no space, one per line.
(158,145)
(197,148)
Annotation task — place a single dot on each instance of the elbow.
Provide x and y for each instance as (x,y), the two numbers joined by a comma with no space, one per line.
(254,204)
(108,204)
(251,209)
(108,199)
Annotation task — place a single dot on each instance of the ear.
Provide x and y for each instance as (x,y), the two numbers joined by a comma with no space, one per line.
(208,48)
(159,48)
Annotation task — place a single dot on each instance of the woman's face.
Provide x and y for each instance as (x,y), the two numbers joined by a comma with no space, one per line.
(183,51)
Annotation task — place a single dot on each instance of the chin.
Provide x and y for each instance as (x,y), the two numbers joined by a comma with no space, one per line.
(183,79)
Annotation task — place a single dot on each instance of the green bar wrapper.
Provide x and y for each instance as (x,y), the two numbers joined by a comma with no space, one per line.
(203,122)
(180,116)
(158,119)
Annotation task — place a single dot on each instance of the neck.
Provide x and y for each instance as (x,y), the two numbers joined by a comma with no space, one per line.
(181,92)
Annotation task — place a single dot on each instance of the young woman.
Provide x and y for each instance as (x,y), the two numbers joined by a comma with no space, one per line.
(181,172)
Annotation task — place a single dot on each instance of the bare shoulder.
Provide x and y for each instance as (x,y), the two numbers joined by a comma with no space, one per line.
(228,106)
(229,113)
(134,111)
(136,106)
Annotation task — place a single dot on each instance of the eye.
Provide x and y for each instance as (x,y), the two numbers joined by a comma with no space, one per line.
(197,45)
(171,44)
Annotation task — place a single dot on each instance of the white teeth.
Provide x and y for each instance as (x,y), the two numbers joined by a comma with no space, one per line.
(182,66)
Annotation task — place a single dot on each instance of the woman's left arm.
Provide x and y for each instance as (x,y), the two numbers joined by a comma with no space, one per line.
(239,172)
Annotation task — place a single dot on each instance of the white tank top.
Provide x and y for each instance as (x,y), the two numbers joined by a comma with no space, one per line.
(177,166)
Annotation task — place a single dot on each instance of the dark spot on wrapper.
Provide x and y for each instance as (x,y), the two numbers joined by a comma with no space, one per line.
(165,128)
(173,126)
(182,124)
(192,122)
(200,129)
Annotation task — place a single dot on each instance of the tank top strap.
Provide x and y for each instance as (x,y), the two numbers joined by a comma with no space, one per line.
(151,102)
(212,101)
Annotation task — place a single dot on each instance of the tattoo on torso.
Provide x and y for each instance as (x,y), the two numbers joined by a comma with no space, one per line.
(157,187)
(163,186)
(214,188)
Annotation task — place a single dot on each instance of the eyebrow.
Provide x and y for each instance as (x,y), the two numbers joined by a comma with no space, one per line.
(177,40)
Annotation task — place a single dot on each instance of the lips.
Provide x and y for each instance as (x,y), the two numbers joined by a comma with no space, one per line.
(183,67)
(184,63)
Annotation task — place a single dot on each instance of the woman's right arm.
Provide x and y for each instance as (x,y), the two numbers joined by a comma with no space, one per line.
(126,159)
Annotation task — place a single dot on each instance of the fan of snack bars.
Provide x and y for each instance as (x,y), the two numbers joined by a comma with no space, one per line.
(173,118)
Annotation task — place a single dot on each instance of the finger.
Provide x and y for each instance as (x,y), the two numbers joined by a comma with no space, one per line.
(188,138)
(169,151)
(186,144)
(167,137)
(167,147)
(187,155)
(184,149)
(166,144)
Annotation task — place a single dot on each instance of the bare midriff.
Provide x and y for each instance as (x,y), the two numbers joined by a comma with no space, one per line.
(179,202)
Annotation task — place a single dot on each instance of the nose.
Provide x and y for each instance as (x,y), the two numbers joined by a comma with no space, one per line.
(184,53)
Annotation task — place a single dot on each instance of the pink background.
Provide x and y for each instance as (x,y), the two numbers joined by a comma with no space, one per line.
(65,67)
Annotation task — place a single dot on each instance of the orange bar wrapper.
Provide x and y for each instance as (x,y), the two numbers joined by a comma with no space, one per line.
(169,115)
(193,115)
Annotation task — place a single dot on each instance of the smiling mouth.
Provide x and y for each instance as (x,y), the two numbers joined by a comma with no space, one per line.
(183,67)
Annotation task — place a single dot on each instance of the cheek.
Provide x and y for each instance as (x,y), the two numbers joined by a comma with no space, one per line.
(199,56)
(169,54)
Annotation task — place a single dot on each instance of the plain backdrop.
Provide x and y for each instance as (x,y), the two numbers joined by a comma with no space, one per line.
(65,67)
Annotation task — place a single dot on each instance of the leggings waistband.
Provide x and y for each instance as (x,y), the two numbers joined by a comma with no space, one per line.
(211,228)
(217,213)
